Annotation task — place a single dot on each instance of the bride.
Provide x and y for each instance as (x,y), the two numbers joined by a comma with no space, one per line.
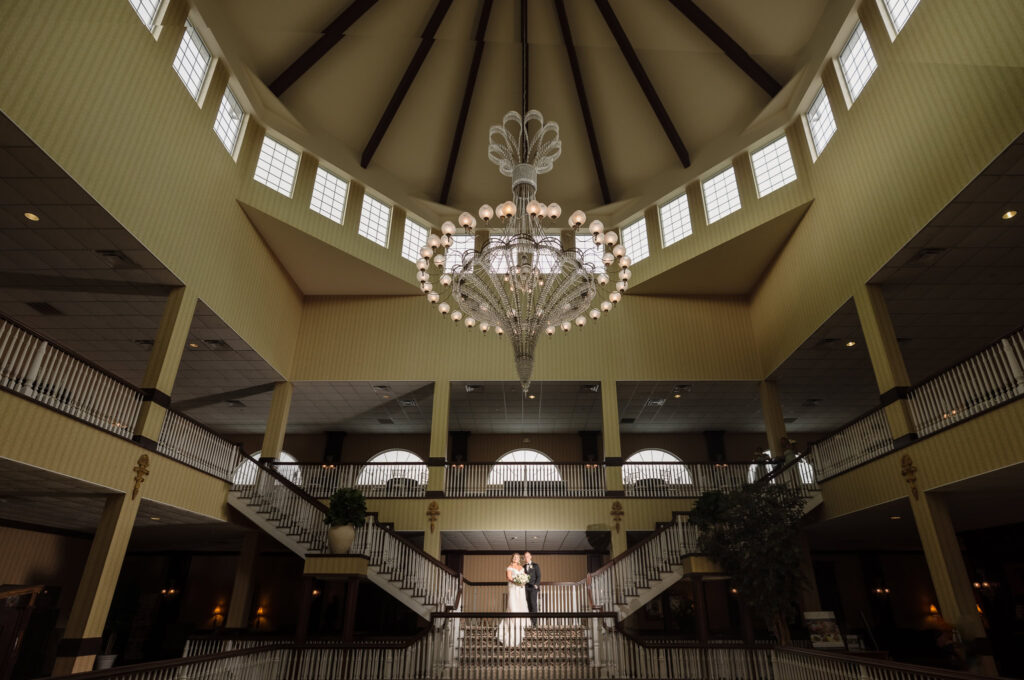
(510,631)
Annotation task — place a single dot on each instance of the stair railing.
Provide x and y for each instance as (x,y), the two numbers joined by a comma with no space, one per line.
(196,445)
(792,662)
(622,577)
(298,514)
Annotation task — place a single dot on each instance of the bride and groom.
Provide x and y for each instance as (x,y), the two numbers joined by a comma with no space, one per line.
(523,587)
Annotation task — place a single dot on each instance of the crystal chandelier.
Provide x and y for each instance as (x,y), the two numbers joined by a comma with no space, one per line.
(523,282)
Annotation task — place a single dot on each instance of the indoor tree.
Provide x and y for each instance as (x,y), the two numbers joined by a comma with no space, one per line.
(753,535)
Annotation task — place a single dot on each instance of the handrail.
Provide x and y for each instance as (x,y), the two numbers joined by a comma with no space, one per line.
(18,591)
(889,666)
(646,539)
(170,663)
(74,355)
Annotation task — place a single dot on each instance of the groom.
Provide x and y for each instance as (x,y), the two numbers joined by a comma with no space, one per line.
(533,587)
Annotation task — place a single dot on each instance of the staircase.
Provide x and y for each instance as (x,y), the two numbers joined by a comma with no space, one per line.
(296,520)
(547,651)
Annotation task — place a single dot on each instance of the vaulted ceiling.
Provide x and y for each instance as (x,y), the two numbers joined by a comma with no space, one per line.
(639,88)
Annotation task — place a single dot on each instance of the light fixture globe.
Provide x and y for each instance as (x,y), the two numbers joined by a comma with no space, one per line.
(523,282)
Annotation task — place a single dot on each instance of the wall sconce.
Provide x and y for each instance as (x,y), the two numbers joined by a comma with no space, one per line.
(259,616)
(217,610)
(933,610)
(881,591)
(316,593)
(167,592)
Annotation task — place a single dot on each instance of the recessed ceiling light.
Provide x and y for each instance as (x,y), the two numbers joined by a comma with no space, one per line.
(155,519)
(536,537)
(533,396)
(1008,215)
(851,343)
(193,345)
(32,217)
(677,395)
(895,517)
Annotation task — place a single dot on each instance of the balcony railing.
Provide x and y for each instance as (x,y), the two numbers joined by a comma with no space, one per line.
(982,382)
(375,480)
(525,480)
(987,379)
(862,440)
(35,368)
(801,664)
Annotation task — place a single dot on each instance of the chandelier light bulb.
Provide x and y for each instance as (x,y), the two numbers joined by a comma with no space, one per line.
(444,308)
(607,258)
(433,240)
(484,327)
(447,227)
(426,251)
(422,276)
(606,306)
(595,314)
(499,330)
(486,212)
(456,316)
(554,211)
(534,208)
(434,297)
(446,241)
(566,326)
(598,239)
(550,330)
(422,264)
(467,221)
(611,238)
(439,260)
(581,321)
(624,262)
(621,286)
(577,218)
(597,227)
(602,279)
(625,275)
(619,250)
(446,280)
(427,286)
(470,322)
(615,297)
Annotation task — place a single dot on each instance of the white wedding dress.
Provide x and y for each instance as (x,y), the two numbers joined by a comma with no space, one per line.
(511,631)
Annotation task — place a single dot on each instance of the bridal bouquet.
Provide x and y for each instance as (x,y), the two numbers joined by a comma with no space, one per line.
(521,579)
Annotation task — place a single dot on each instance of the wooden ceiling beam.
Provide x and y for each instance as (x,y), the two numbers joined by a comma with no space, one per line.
(467,99)
(732,49)
(581,94)
(334,32)
(643,81)
(426,42)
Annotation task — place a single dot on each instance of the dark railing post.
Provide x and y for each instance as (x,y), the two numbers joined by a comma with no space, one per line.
(700,607)
(351,602)
(305,605)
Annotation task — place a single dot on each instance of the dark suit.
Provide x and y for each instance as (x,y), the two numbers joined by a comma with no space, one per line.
(532,588)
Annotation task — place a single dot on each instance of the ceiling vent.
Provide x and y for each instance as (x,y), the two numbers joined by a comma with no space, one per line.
(827,342)
(811,403)
(590,387)
(216,344)
(789,421)
(628,421)
(235,403)
(474,388)
(380,388)
(116,259)
(655,402)
(45,308)
(143,342)
(678,389)
(407,403)
(385,421)
(926,255)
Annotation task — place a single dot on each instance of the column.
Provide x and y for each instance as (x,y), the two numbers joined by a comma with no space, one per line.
(887,361)
(949,574)
(83,640)
(612,442)
(162,369)
(771,412)
(305,605)
(351,603)
(700,607)
(241,589)
(810,600)
(438,438)
(277,421)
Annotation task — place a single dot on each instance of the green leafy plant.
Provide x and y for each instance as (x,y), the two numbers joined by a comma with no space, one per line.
(753,534)
(347,506)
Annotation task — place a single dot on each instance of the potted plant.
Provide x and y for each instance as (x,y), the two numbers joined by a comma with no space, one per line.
(345,514)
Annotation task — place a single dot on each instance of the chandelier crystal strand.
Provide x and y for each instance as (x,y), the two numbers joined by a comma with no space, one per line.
(522,282)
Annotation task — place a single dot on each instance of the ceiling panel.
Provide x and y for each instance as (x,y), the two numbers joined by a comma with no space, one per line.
(501,407)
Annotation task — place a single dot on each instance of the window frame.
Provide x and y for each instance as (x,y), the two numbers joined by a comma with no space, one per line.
(688,229)
(242,122)
(633,253)
(298,160)
(841,64)
(363,229)
(809,126)
(773,187)
(201,89)
(730,169)
(321,169)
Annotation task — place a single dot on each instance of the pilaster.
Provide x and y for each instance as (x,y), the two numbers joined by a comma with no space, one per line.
(771,412)
(438,438)
(277,420)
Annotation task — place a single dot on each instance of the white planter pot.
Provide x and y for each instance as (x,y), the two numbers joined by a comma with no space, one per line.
(104,661)
(340,538)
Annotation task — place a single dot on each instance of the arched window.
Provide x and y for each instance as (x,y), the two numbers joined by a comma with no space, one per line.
(394,467)
(671,470)
(245,473)
(506,469)
(758,470)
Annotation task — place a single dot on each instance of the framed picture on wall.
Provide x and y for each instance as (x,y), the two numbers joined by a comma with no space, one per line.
(824,630)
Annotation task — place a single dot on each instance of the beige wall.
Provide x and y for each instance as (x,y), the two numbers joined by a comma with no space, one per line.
(35,558)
